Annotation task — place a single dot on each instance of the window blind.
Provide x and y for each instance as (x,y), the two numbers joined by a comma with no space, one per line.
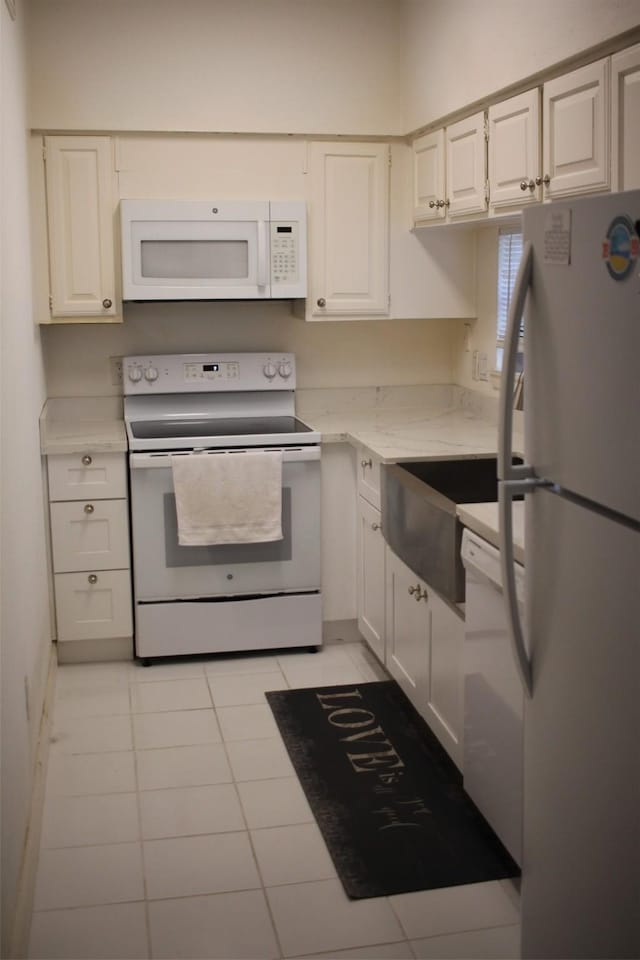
(509,255)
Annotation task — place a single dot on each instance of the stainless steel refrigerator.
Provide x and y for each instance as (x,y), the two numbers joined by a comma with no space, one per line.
(578,651)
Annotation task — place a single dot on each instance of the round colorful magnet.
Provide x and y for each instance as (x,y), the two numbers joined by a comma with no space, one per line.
(620,249)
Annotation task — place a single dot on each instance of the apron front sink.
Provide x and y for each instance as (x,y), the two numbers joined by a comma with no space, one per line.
(419,521)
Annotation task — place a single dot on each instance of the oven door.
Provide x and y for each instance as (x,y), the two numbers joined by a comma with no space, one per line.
(164,570)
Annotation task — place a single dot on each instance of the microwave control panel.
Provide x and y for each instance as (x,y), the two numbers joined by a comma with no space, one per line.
(284,252)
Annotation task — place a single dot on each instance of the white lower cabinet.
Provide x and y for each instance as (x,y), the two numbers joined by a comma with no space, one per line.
(93,606)
(445,690)
(89,522)
(371,577)
(424,637)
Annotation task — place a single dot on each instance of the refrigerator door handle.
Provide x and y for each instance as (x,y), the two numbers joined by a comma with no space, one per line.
(506,469)
(507,490)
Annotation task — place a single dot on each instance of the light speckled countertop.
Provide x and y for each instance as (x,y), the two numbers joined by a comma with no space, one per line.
(82,424)
(420,422)
(482,518)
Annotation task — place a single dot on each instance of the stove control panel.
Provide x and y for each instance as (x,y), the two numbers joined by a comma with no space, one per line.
(208,373)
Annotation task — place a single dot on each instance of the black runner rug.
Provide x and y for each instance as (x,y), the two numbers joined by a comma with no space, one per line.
(386,796)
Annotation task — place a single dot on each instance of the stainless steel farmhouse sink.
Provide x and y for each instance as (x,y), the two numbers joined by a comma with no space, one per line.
(419,519)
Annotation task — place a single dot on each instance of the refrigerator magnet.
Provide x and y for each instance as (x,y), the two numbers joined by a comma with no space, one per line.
(620,248)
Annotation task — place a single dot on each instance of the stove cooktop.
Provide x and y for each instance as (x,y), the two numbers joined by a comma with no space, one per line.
(216,427)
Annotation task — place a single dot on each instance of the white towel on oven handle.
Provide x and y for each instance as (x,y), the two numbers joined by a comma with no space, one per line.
(228,497)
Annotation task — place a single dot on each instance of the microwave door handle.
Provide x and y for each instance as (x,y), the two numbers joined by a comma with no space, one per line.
(262,254)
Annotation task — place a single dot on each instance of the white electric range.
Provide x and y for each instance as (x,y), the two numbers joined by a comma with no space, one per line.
(223,597)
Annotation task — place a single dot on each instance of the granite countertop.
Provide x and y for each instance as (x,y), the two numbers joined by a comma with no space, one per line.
(82,424)
(421,422)
(406,423)
(483,519)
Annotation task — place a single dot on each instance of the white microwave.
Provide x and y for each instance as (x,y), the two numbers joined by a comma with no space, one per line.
(210,250)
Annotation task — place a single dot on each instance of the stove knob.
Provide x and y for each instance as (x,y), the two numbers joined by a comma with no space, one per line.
(285,369)
(135,374)
(269,370)
(151,374)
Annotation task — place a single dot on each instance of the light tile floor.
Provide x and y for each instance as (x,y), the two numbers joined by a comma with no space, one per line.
(174,826)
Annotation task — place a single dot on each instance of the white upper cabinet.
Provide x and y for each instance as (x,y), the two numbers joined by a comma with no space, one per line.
(466,167)
(625,119)
(514,152)
(80,213)
(348,230)
(575,134)
(429,177)
(450,171)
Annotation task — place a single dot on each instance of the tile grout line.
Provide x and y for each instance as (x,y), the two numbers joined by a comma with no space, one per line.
(147,918)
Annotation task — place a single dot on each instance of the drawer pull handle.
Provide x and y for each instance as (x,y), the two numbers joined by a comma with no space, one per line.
(89,508)
(87,460)
(366,463)
(92,578)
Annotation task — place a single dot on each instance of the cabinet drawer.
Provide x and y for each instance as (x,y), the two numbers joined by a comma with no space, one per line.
(369,477)
(95,476)
(89,535)
(93,606)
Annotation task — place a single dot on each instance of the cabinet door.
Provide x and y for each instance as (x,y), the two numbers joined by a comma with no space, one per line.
(90,535)
(625,119)
(429,177)
(408,630)
(466,167)
(80,212)
(87,476)
(369,476)
(349,230)
(444,707)
(93,606)
(575,135)
(514,151)
(371,583)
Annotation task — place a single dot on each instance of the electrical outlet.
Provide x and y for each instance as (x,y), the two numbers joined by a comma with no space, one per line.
(115,366)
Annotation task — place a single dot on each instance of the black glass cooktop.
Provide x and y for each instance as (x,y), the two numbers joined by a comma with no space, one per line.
(231,427)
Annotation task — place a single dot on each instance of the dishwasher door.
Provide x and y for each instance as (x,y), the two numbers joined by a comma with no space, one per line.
(493,697)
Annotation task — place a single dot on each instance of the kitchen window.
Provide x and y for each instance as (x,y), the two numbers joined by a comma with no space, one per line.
(509,256)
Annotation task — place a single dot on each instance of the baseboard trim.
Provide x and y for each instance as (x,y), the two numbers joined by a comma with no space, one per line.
(19,935)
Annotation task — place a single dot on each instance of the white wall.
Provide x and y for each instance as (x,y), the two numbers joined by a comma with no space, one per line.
(482,331)
(287,66)
(455,52)
(24,624)
(355,353)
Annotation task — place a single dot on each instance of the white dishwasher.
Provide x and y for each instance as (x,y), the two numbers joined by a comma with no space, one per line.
(493,698)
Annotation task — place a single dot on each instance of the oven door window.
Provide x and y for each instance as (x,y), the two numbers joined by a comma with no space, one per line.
(165,570)
(179,556)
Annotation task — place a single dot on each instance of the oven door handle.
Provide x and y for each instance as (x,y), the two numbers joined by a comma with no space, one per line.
(162,461)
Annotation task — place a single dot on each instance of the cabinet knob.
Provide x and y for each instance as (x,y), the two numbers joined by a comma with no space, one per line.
(432,204)
(528,185)
(106,303)
(89,508)
(321,302)
(546,180)
(375,526)
(92,578)
(87,460)
(418,593)
(366,463)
